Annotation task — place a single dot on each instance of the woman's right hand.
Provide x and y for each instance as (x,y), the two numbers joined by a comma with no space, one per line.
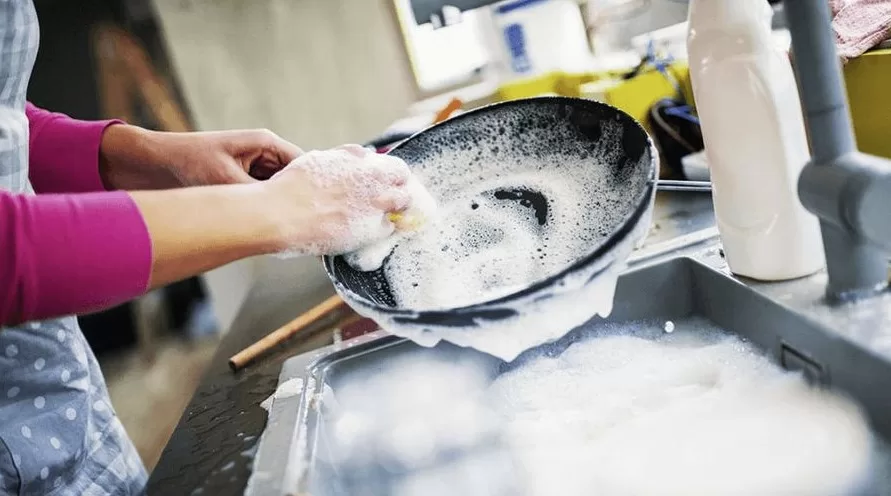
(336,201)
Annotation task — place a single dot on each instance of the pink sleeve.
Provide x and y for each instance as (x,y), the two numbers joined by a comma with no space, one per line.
(70,254)
(64,152)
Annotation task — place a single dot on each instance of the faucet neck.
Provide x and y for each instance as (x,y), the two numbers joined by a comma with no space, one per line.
(839,185)
(820,79)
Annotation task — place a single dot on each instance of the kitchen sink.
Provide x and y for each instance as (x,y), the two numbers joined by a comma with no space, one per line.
(293,456)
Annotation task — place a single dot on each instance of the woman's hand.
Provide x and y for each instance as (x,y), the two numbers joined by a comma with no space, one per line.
(337,201)
(132,158)
(326,202)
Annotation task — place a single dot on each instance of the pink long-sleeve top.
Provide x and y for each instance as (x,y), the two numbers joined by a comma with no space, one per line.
(74,247)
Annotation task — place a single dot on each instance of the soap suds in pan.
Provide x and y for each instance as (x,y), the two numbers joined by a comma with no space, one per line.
(496,233)
(493,234)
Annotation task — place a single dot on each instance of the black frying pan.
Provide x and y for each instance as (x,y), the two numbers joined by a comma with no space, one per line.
(549,133)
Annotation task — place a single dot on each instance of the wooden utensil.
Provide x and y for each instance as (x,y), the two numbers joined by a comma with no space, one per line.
(285,332)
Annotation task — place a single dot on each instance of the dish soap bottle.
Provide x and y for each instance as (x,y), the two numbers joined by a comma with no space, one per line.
(755,140)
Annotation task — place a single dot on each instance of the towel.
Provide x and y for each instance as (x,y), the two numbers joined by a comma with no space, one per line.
(860,25)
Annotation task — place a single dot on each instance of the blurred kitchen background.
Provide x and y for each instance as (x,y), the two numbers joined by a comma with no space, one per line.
(325,72)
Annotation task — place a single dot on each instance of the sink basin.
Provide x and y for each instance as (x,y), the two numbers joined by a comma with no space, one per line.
(666,290)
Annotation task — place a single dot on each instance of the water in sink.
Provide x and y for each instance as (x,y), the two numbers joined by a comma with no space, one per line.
(617,410)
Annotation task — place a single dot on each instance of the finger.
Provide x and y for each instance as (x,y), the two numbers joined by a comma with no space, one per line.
(263,145)
(285,151)
(239,176)
(394,200)
(268,163)
(392,170)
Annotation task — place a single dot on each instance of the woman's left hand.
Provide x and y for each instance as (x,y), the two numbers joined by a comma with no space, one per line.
(133,158)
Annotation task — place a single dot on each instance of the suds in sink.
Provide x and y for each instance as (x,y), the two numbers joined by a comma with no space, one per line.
(623,410)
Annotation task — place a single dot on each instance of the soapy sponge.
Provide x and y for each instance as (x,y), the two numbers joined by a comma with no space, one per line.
(421,212)
(422,208)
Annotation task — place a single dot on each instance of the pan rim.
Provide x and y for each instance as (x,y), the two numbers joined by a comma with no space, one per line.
(619,233)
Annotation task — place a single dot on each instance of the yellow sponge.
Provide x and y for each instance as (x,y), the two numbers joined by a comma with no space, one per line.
(423,207)
(404,221)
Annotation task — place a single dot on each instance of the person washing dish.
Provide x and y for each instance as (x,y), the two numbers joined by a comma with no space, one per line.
(119,210)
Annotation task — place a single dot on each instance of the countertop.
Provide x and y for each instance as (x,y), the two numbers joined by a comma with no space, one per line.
(212,448)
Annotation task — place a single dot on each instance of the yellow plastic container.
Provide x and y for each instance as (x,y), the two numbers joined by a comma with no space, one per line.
(637,95)
(868,79)
(554,83)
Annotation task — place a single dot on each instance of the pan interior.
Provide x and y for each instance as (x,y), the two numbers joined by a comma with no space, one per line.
(524,191)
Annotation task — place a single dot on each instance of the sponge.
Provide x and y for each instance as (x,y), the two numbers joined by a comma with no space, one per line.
(421,211)
(422,208)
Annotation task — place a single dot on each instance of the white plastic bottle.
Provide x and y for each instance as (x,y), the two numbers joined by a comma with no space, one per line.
(755,140)
(535,37)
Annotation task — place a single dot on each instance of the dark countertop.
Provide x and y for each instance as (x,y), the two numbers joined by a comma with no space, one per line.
(211,450)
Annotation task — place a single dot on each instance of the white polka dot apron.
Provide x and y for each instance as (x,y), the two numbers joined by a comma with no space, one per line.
(59,434)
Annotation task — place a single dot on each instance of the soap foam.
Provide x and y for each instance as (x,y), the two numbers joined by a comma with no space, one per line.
(695,411)
(480,247)
(355,179)
(289,388)
(627,409)
(487,241)
(422,210)
(418,422)
(484,248)
(571,302)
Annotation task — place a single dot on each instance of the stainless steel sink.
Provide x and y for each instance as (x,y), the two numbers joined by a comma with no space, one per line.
(684,278)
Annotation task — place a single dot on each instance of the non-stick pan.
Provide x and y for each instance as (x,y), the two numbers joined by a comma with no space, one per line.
(607,149)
